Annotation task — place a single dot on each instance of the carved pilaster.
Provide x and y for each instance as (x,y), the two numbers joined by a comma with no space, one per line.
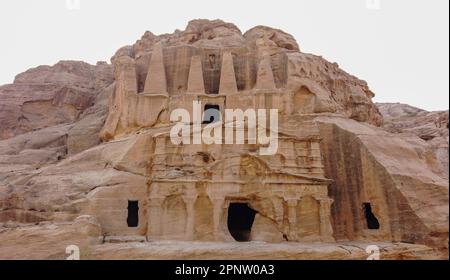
(218,212)
(190,211)
(154,217)
(326,230)
(292,218)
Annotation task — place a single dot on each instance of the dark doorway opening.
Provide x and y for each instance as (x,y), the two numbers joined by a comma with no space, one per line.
(211,114)
(240,221)
(133,213)
(371,219)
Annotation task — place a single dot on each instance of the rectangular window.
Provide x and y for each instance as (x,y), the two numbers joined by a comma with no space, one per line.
(133,213)
(211,114)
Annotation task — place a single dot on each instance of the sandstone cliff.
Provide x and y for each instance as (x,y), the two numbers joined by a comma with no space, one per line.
(432,127)
(79,139)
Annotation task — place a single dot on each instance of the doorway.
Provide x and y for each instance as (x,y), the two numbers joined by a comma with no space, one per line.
(240,221)
(371,219)
(133,213)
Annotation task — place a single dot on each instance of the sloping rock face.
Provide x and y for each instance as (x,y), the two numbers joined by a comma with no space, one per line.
(431,127)
(49,113)
(28,241)
(87,149)
(401,169)
(402,118)
(393,174)
(47,96)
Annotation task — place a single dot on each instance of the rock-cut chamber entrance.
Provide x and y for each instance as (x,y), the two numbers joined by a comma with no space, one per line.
(371,219)
(133,213)
(240,221)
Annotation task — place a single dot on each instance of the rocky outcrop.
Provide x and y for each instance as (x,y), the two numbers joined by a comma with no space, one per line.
(432,127)
(69,99)
(46,96)
(63,109)
(402,118)
(93,142)
(85,132)
(394,175)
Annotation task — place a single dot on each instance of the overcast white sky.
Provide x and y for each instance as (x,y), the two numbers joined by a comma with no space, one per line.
(400,47)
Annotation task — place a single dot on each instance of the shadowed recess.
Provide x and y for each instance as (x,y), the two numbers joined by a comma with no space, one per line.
(372,221)
(240,221)
(133,213)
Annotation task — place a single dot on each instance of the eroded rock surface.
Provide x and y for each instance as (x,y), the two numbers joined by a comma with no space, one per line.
(46,96)
(432,127)
(93,141)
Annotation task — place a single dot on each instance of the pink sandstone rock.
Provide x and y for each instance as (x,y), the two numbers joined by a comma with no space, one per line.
(85,157)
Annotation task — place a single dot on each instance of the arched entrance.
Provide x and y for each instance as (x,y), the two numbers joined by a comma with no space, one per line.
(240,221)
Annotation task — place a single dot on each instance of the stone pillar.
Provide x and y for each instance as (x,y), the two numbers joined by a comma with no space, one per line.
(190,222)
(227,75)
(156,82)
(292,218)
(218,212)
(326,230)
(155,212)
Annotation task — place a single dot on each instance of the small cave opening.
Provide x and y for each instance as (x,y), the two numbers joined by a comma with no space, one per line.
(371,219)
(133,213)
(240,221)
(211,113)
